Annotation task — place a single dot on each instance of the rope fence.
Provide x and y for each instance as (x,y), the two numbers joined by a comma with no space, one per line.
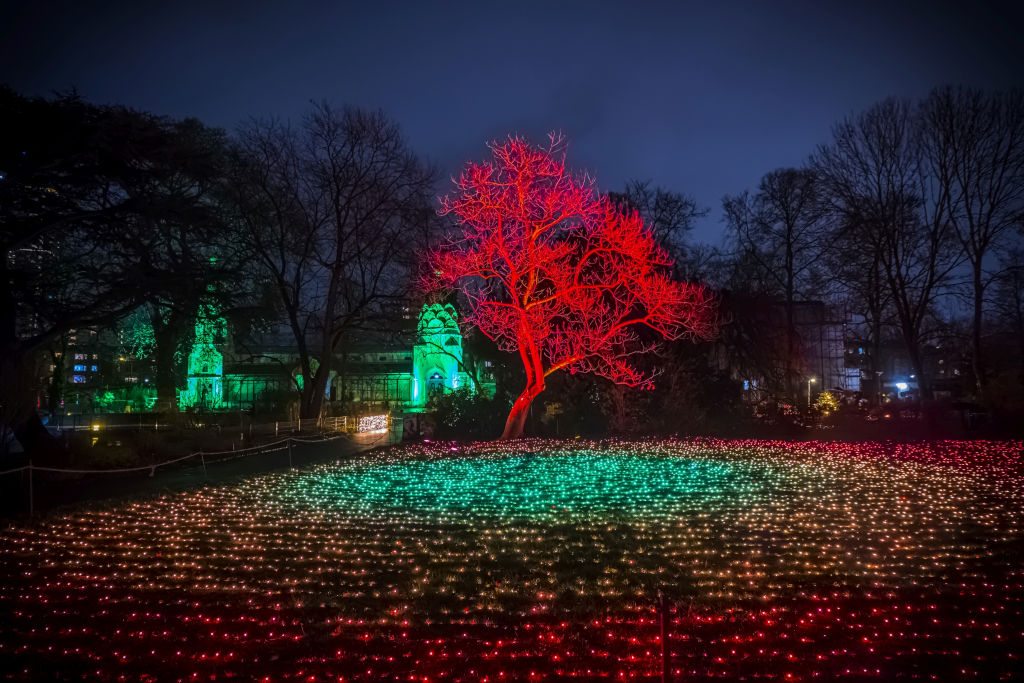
(338,427)
(91,422)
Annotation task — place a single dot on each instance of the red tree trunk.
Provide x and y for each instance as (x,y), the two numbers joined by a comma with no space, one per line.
(516,422)
(569,273)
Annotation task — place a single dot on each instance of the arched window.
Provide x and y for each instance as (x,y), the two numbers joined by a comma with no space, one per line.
(435,383)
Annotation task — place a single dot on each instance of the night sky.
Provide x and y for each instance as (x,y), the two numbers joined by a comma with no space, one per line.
(698,99)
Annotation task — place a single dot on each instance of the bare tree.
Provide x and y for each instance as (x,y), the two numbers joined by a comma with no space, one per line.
(187,241)
(877,185)
(974,146)
(1009,302)
(85,188)
(864,292)
(670,215)
(779,231)
(334,209)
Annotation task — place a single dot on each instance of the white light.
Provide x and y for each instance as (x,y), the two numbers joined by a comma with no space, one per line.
(902,386)
(372,424)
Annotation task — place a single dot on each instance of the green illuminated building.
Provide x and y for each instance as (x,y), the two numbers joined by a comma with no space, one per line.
(408,376)
(264,374)
(204,383)
(260,373)
(437,361)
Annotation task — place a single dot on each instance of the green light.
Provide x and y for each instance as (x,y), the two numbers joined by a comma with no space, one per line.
(105,400)
(437,355)
(549,485)
(205,380)
(824,560)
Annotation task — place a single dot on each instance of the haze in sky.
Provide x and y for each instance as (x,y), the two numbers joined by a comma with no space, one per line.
(701,98)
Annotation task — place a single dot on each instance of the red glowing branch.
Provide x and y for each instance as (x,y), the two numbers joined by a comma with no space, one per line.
(557,273)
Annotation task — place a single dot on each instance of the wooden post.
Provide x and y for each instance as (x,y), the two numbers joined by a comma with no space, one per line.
(666,673)
(203,458)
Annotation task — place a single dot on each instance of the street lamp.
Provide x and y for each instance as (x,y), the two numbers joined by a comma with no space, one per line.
(810,381)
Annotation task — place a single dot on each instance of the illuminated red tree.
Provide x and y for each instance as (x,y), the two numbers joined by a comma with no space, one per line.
(557,273)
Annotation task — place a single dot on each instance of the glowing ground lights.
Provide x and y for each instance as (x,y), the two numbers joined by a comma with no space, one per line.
(786,562)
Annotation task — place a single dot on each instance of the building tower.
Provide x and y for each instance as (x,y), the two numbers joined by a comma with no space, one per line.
(205,379)
(437,354)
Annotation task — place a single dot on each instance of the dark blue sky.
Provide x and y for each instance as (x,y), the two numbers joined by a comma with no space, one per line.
(698,97)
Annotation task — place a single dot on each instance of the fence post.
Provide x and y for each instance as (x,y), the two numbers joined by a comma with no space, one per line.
(666,674)
(276,425)
(289,454)
(203,458)
(31,493)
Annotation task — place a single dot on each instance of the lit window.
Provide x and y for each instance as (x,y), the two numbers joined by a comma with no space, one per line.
(79,368)
(78,379)
(94,368)
(79,356)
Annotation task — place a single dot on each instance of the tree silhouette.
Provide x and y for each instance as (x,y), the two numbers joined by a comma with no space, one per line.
(334,212)
(97,206)
(557,273)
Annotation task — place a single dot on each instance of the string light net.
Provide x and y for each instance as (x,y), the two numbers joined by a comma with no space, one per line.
(781,561)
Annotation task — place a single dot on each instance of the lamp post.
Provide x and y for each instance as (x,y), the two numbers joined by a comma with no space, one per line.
(810,381)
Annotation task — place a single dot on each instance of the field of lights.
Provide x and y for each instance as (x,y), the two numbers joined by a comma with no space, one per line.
(781,561)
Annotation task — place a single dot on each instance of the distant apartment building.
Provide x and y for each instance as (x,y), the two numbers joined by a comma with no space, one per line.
(821,329)
(757,350)
(948,367)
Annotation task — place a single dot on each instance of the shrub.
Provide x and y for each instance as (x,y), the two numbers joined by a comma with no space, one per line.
(466,414)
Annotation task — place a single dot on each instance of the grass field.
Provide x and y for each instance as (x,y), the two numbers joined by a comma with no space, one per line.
(542,561)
